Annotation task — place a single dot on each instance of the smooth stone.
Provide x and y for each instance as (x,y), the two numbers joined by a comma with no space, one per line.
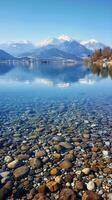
(4,174)
(86,171)
(67,194)
(66,145)
(90,195)
(54,171)
(58,179)
(39,154)
(13,164)
(22,157)
(35,163)
(98,182)
(69,157)
(107,170)
(5,190)
(40,196)
(5,179)
(25,148)
(58,139)
(8,159)
(107,143)
(66,165)
(21,172)
(90,185)
(56,156)
(110,196)
(86,135)
(105,153)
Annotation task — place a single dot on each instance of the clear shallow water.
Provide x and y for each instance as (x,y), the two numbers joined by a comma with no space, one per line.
(45,88)
(42,105)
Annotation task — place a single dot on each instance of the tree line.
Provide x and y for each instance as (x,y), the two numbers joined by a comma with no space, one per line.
(101,54)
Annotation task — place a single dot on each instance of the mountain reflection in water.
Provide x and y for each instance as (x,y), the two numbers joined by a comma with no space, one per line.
(53,73)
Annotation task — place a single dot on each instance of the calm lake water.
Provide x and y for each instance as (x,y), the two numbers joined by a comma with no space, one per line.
(62,115)
(44,89)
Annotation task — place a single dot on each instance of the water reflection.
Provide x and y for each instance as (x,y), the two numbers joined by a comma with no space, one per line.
(5,68)
(103,72)
(44,73)
(61,75)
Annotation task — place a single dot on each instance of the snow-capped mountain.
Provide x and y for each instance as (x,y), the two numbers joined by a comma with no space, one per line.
(17,48)
(93,44)
(63,47)
(55,41)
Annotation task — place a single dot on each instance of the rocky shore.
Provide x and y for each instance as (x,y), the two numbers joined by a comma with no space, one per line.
(55,151)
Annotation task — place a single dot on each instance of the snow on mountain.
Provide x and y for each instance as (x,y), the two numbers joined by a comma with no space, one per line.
(55,41)
(74,48)
(66,44)
(62,47)
(63,38)
(93,44)
(49,41)
(16,48)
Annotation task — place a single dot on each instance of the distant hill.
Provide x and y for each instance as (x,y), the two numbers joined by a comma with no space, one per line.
(93,44)
(17,48)
(51,54)
(5,56)
(63,47)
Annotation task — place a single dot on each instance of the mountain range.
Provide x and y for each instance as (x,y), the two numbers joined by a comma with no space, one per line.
(5,56)
(61,48)
(93,44)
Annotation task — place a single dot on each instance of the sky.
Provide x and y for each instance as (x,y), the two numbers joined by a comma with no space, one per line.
(36,20)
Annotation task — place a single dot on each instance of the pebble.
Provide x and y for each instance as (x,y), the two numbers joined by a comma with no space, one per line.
(35,163)
(52,186)
(90,195)
(54,171)
(67,194)
(66,165)
(13,164)
(86,171)
(4,174)
(8,159)
(90,185)
(21,172)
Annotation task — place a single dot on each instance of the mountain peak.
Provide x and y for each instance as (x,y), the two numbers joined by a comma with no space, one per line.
(65,38)
(91,41)
(92,44)
(49,41)
(55,41)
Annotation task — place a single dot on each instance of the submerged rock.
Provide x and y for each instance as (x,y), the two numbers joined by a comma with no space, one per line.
(90,195)
(67,194)
(21,172)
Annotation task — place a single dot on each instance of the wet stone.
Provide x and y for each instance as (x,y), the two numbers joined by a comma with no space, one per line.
(35,163)
(67,194)
(21,172)
(66,165)
(90,195)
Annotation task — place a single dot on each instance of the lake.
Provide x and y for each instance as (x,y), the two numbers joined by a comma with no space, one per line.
(55,116)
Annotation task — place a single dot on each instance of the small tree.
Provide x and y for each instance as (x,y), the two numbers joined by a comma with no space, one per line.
(107,52)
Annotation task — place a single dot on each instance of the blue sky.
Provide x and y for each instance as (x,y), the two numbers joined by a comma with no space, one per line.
(39,19)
